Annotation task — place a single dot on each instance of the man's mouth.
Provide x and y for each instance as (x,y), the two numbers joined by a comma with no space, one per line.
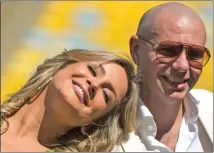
(175,82)
(81,93)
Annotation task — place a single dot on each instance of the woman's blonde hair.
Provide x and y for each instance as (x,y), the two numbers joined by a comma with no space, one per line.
(118,122)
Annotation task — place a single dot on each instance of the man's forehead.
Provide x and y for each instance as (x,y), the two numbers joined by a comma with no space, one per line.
(183,22)
(180,28)
(166,19)
(172,20)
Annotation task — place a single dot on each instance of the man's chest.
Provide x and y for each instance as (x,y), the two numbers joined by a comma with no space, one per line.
(184,139)
(170,139)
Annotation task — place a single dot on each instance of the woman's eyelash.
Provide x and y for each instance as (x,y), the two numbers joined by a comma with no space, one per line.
(94,73)
(92,70)
(105,96)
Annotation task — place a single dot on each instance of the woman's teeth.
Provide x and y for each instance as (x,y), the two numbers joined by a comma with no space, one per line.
(80,90)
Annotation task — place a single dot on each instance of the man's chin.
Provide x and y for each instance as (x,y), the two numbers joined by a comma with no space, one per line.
(176,96)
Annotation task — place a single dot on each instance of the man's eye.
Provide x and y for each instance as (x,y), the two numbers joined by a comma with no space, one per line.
(105,95)
(168,52)
(92,70)
(195,54)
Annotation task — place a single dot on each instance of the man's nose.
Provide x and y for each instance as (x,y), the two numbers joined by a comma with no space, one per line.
(181,64)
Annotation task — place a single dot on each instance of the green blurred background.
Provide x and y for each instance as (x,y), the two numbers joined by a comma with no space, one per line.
(31,31)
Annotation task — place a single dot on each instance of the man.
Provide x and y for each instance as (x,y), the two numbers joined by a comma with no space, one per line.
(170,54)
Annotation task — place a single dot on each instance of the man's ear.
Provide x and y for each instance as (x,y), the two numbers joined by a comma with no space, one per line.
(133,44)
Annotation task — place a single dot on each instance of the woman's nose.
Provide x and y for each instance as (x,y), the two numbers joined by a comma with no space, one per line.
(93,82)
(89,82)
(93,86)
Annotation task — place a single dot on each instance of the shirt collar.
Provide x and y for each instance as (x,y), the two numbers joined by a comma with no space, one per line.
(144,111)
(145,122)
(145,118)
(191,107)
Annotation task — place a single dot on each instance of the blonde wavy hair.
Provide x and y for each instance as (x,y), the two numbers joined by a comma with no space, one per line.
(117,123)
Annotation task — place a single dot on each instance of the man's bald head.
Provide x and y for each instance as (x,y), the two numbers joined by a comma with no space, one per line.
(171,14)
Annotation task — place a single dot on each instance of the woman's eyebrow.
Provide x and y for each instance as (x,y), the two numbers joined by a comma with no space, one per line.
(102,69)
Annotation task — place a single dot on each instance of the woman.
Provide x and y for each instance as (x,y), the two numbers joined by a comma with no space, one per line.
(77,101)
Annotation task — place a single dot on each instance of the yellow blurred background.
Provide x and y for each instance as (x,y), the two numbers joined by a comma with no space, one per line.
(33,31)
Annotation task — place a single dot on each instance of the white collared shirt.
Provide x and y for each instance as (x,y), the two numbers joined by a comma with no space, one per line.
(188,140)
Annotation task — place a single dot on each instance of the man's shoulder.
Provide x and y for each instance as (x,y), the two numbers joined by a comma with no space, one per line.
(205,100)
(205,108)
(202,94)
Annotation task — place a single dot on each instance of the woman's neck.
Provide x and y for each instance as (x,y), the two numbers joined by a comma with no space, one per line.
(23,128)
(51,129)
(27,120)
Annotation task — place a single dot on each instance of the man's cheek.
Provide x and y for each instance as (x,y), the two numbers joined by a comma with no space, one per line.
(193,80)
(194,76)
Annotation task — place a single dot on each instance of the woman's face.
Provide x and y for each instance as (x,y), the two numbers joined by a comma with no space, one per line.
(84,91)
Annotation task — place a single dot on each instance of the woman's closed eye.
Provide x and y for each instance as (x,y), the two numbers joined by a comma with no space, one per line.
(106,96)
(92,70)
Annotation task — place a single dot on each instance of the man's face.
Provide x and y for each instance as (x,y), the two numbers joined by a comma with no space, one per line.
(174,79)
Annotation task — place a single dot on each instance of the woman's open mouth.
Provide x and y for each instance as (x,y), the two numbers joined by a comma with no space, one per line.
(81,93)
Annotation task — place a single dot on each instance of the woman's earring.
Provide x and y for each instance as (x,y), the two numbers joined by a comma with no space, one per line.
(83,131)
(99,124)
